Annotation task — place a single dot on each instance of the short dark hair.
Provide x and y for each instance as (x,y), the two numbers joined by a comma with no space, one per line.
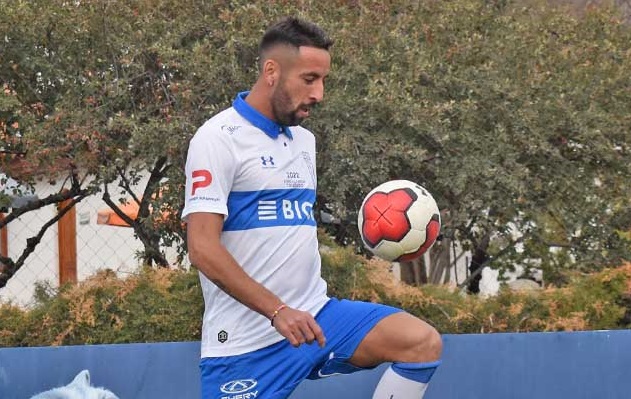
(295,32)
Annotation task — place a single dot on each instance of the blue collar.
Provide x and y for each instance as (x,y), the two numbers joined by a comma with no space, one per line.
(257,119)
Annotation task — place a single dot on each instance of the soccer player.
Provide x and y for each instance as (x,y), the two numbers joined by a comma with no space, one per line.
(250,187)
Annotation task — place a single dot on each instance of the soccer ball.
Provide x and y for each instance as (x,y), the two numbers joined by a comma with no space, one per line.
(399,221)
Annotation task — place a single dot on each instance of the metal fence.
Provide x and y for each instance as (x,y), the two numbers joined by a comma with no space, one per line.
(98,247)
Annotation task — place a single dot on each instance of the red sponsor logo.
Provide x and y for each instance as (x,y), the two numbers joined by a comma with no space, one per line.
(204,178)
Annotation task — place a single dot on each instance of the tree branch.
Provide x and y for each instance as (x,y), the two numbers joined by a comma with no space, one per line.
(157,174)
(489,260)
(11,267)
(152,251)
(117,210)
(126,184)
(40,203)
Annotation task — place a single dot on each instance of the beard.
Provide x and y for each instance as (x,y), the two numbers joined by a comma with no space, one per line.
(282,108)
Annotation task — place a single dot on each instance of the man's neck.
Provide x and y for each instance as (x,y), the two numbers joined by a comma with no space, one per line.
(259,100)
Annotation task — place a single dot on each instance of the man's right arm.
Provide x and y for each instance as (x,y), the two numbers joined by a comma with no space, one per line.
(210,257)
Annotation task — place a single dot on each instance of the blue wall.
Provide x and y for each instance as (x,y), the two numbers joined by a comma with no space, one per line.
(580,365)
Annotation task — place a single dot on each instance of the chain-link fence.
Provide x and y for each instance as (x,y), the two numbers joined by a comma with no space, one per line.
(98,247)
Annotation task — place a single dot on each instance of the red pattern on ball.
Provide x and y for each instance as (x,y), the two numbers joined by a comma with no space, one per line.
(385,216)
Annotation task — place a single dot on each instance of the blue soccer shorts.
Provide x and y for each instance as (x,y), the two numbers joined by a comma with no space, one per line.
(275,371)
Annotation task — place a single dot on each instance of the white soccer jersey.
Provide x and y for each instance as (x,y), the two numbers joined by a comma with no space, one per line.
(261,176)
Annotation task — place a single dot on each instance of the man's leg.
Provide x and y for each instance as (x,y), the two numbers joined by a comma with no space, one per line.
(413,346)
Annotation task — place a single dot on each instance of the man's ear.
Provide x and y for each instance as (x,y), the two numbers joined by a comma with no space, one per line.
(271,71)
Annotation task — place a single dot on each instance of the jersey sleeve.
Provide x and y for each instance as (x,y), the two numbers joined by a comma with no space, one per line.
(210,169)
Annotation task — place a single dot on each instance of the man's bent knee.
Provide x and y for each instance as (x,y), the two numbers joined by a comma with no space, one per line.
(420,343)
(400,337)
(429,346)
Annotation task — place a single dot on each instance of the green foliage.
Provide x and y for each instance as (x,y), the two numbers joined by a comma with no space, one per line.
(166,305)
(514,117)
(513,114)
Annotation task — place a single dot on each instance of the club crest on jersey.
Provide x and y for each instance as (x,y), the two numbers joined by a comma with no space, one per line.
(268,162)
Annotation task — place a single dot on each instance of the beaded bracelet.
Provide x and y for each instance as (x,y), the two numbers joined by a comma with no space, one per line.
(281,307)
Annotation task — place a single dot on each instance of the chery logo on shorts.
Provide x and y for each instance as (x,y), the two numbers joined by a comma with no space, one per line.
(239,387)
(206,179)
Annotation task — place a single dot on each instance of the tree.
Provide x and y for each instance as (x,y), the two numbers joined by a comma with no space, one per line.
(514,115)
(21,104)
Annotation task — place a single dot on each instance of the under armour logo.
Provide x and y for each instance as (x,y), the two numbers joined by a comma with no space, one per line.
(267,160)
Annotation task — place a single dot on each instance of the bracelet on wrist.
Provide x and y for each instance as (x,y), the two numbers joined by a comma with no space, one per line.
(278,309)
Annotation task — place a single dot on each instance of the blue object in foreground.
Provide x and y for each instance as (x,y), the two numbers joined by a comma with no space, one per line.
(577,365)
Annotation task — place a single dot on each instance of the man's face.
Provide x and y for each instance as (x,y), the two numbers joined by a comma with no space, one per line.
(300,85)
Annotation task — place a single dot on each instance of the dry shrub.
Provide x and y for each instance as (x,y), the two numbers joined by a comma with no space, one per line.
(166,305)
(154,305)
(589,302)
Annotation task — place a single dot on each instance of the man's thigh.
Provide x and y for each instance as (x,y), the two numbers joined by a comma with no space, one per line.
(345,324)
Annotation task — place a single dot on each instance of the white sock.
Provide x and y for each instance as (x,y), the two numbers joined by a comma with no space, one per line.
(395,386)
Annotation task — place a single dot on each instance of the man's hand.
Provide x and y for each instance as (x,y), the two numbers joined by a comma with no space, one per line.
(298,327)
